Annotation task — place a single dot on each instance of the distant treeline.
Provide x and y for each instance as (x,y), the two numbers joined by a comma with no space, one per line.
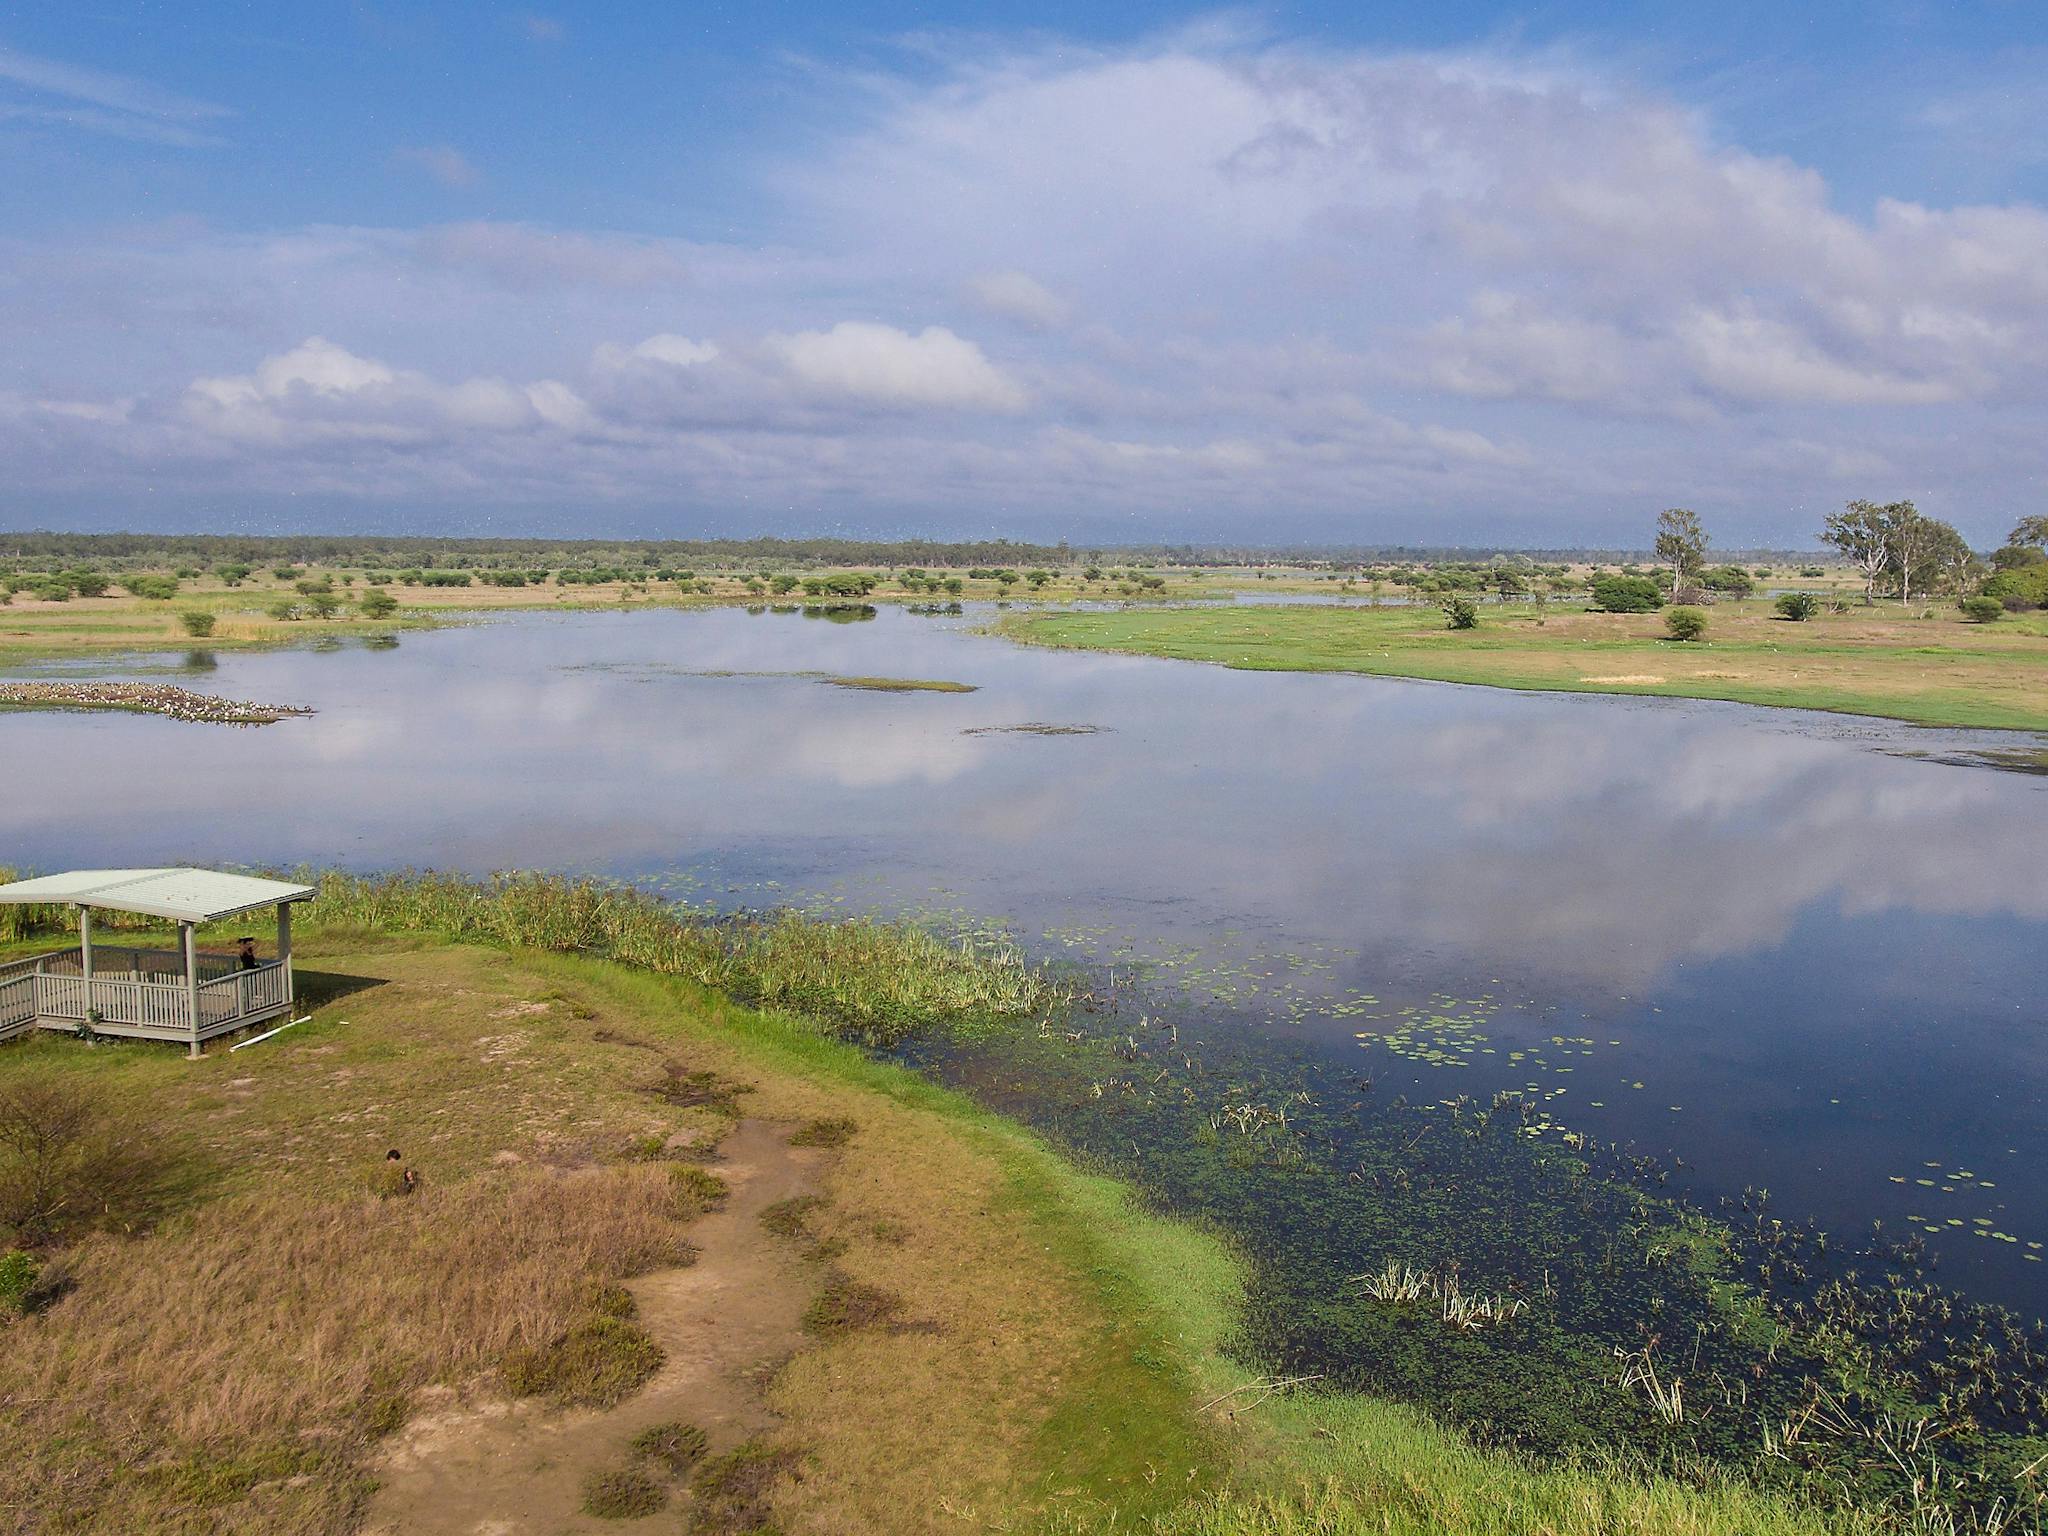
(45,549)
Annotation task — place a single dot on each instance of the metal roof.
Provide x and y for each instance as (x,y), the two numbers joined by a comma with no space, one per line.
(188,895)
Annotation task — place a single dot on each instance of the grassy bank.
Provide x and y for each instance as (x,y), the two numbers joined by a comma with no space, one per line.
(237,1345)
(1937,670)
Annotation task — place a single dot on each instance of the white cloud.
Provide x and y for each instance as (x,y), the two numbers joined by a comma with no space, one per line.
(861,360)
(444,162)
(119,105)
(676,351)
(1019,296)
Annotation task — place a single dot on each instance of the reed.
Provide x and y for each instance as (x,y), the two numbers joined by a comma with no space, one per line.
(871,980)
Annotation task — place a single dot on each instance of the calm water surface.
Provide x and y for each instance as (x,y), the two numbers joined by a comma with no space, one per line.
(1789,949)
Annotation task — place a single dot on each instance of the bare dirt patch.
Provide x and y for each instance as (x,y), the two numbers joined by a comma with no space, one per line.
(478,1463)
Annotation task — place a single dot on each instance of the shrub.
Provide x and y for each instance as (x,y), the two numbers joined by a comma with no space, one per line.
(677,1446)
(697,1190)
(2020,588)
(622,1493)
(18,1271)
(1627,594)
(1810,571)
(1731,579)
(1798,606)
(597,1364)
(1459,612)
(378,604)
(65,1163)
(87,583)
(1685,623)
(156,588)
(284,609)
(1981,609)
(55,590)
(197,624)
(323,605)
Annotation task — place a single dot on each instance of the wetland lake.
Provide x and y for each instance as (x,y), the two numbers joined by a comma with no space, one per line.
(1790,962)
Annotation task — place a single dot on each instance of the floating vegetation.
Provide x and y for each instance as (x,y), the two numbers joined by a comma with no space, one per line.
(145,699)
(1031,728)
(899,684)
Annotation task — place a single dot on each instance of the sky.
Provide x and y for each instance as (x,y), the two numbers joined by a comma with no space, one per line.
(1405,272)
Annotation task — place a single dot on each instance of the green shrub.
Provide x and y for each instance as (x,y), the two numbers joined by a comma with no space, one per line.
(198,624)
(622,1493)
(18,1271)
(1685,623)
(378,604)
(677,1446)
(2021,588)
(1798,606)
(1981,609)
(1460,612)
(1811,571)
(159,589)
(1732,579)
(597,1364)
(1627,594)
(323,605)
(285,609)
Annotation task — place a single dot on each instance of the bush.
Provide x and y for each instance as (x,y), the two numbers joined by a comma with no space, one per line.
(622,1493)
(156,588)
(1731,579)
(1627,594)
(597,1364)
(284,609)
(1981,609)
(65,1163)
(677,1446)
(2020,588)
(1798,606)
(378,604)
(1459,612)
(1684,623)
(197,624)
(324,605)
(18,1271)
(1811,571)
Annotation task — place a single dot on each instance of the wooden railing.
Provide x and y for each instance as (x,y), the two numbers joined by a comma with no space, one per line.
(151,1004)
(17,1001)
(119,962)
(242,993)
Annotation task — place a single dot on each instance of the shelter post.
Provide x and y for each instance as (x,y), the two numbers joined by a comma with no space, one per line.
(284,948)
(192,981)
(85,950)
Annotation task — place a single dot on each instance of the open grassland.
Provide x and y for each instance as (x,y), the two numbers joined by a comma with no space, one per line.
(1936,670)
(1000,1340)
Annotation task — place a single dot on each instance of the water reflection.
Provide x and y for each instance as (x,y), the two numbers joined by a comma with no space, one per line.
(1813,946)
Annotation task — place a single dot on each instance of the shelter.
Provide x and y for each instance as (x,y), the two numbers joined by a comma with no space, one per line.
(151,994)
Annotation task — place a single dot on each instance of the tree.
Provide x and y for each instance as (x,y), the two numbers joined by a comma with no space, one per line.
(378,604)
(1627,594)
(1952,566)
(2031,532)
(1681,544)
(1862,533)
(1460,612)
(1917,546)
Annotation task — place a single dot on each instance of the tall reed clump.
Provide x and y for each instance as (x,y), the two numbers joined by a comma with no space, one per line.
(877,981)
(17,923)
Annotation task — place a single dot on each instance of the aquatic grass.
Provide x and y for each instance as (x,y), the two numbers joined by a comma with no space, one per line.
(875,981)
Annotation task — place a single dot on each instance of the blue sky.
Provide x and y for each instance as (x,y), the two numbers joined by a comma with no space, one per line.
(1396,272)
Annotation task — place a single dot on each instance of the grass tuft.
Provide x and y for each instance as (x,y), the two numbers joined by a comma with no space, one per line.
(696,1190)
(833,1131)
(622,1493)
(676,1445)
(847,1305)
(597,1364)
(734,1490)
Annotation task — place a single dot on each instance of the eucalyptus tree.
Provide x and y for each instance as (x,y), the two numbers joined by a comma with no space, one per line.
(1681,544)
(1862,533)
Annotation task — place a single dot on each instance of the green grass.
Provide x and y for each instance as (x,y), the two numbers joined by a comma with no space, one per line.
(1882,661)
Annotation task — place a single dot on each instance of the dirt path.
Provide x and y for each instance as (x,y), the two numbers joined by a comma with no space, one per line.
(493,1468)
